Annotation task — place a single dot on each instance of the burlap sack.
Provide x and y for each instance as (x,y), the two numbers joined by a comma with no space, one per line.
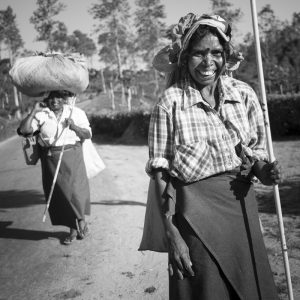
(35,75)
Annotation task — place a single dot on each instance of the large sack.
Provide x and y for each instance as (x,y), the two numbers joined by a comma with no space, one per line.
(35,75)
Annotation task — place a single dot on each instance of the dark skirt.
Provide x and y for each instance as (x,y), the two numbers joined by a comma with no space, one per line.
(71,196)
(218,219)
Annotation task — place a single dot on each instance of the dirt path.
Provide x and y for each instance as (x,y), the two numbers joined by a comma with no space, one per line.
(106,265)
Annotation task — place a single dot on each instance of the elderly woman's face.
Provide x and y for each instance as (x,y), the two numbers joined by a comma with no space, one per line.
(205,60)
(55,103)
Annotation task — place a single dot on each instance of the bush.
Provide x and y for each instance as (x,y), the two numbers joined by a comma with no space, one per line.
(115,124)
(284,114)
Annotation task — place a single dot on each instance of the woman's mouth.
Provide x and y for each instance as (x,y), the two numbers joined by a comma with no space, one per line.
(207,74)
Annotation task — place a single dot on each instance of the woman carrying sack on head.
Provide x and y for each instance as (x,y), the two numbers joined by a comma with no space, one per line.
(206,142)
(59,124)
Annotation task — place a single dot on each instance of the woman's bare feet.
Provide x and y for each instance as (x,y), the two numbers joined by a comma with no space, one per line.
(71,237)
(82,229)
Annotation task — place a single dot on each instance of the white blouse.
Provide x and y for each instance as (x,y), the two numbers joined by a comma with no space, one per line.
(53,131)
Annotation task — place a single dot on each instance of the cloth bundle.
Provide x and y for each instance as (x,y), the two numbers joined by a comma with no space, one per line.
(93,162)
(35,75)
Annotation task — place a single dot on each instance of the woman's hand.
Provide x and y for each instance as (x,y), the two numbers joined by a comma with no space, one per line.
(82,133)
(69,122)
(25,127)
(180,264)
(38,106)
(268,173)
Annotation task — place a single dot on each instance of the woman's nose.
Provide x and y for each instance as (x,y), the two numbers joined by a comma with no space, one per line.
(207,59)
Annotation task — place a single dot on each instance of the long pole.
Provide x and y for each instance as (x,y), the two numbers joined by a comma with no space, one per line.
(270,148)
(53,183)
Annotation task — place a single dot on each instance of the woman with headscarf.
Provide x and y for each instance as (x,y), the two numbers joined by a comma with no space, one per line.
(57,123)
(206,143)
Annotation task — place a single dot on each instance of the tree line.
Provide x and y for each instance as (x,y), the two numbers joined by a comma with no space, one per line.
(128,37)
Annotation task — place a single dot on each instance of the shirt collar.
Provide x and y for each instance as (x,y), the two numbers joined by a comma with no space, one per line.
(192,96)
(228,91)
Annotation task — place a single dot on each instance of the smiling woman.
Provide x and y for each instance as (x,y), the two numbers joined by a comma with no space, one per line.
(206,142)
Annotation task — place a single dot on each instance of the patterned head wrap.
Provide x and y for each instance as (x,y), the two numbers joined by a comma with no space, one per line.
(168,59)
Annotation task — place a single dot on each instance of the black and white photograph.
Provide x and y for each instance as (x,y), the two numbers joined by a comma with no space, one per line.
(149,150)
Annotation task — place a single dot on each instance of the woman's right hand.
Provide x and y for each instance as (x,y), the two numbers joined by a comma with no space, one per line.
(180,264)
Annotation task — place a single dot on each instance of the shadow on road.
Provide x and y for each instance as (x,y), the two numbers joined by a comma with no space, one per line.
(26,234)
(119,202)
(17,198)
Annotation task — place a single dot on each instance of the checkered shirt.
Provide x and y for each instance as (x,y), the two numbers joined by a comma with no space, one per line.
(193,141)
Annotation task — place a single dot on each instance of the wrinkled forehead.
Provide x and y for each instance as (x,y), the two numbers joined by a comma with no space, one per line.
(209,41)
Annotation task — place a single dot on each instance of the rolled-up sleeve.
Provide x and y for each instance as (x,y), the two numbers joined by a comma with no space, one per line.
(81,119)
(160,140)
(257,129)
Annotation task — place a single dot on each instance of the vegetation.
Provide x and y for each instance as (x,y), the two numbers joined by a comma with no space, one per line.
(284,113)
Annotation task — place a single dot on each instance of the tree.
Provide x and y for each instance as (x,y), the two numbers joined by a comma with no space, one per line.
(43,20)
(116,34)
(80,42)
(225,9)
(286,51)
(150,30)
(9,32)
(11,38)
(114,20)
(280,45)
(59,38)
(150,26)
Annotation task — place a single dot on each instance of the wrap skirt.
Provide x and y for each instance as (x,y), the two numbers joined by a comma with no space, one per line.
(218,219)
(71,194)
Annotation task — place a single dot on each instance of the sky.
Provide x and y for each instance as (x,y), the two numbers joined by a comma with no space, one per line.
(76,16)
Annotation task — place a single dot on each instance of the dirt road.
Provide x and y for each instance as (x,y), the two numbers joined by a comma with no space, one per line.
(106,265)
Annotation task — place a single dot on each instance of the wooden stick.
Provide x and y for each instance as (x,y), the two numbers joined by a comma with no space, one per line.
(270,147)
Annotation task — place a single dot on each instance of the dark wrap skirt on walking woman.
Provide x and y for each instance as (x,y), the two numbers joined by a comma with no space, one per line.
(218,219)
(71,195)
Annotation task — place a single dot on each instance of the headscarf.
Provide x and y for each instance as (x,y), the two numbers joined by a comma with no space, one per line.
(64,94)
(168,59)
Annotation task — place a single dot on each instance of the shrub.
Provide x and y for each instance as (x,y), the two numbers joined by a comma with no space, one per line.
(115,124)
(284,114)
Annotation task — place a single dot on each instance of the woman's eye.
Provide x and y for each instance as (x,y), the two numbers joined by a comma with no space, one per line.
(197,54)
(217,53)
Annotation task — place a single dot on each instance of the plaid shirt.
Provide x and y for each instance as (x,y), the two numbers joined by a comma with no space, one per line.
(192,140)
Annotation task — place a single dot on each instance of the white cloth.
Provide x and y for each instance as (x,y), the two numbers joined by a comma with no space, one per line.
(51,128)
(93,162)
